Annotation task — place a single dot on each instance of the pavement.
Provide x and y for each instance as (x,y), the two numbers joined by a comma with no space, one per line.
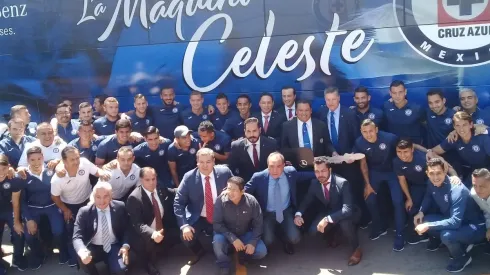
(312,257)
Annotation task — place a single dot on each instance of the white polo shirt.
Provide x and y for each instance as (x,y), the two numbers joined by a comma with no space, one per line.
(74,190)
(121,184)
(49,153)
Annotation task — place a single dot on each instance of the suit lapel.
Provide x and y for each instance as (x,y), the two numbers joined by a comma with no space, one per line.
(145,199)
(245,152)
(199,191)
(263,157)
(94,218)
(113,215)
(313,139)
(295,133)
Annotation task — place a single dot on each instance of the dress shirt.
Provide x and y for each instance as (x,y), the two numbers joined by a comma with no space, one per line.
(263,117)
(285,193)
(250,149)
(336,115)
(148,193)
(484,206)
(286,109)
(309,126)
(329,219)
(213,190)
(97,239)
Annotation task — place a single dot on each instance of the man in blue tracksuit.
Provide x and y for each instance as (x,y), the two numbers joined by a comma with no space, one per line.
(458,222)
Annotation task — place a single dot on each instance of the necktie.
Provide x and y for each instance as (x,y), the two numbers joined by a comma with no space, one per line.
(326,192)
(156,213)
(255,155)
(106,238)
(333,131)
(306,137)
(278,202)
(290,115)
(266,123)
(209,201)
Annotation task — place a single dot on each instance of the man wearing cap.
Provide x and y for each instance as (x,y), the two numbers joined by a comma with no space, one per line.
(182,153)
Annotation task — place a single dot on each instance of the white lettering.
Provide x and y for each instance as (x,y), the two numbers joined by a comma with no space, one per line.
(460,57)
(426,46)
(13,11)
(477,56)
(442,54)
(352,42)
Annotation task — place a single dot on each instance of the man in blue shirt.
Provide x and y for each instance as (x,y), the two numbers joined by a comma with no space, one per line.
(167,116)
(108,148)
(439,118)
(223,112)
(99,105)
(140,120)
(106,125)
(182,156)
(193,116)
(363,107)
(21,111)
(376,168)
(469,104)
(217,141)
(85,113)
(458,222)
(402,118)
(13,144)
(66,128)
(86,143)
(234,125)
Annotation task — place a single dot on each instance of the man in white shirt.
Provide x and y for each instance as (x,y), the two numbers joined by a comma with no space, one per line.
(481,194)
(101,232)
(288,109)
(70,189)
(125,174)
(50,144)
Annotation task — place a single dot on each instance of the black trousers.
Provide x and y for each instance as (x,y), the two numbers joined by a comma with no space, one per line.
(201,225)
(348,227)
(146,250)
(112,259)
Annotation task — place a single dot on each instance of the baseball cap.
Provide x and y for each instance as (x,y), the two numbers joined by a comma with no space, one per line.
(181,131)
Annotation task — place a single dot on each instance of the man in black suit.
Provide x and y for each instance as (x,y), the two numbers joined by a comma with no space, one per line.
(337,209)
(195,198)
(101,232)
(148,209)
(305,131)
(270,120)
(288,109)
(249,155)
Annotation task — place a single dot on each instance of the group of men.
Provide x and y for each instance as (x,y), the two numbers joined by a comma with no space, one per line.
(175,174)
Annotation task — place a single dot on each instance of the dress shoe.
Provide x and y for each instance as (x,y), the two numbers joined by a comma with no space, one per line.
(289,248)
(152,270)
(356,257)
(196,257)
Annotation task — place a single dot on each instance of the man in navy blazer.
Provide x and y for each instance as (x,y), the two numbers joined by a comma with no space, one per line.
(101,232)
(249,155)
(275,190)
(270,120)
(194,201)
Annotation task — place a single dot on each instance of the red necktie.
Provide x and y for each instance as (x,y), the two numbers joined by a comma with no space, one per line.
(209,201)
(255,155)
(290,116)
(266,123)
(326,192)
(156,213)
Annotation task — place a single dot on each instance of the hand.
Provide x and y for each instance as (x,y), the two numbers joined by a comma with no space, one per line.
(239,246)
(322,225)
(352,107)
(157,236)
(422,228)
(60,171)
(418,218)
(104,176)
(53,163)
(457,108)
(135,137)
(334,154)
(452,137)
(288,163)
(162,140)
(298,220)
(368,190)
(176,144)
(85,256)
(203,145)
(22,172)
(188,233)
(249,249)
(430,155)
(125,116)
(32,227)
(18,228)
(111,165)
(67,215)
(176,102)
(349,160)
(124,251)
(10,173)
(210,109)
(488,235)
(454,180)
(408,204)
(480,129)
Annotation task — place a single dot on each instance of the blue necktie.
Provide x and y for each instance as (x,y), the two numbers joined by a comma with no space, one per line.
(278,202)
(306,137)
(333,131)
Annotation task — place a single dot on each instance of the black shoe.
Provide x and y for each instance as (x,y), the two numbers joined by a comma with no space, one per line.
(289,248)
(487,249)
(365,225)
(374,235)
(416,239)
(224,271)
(434,244)
(20,264)
(459,265)
(196,257)
(151,269)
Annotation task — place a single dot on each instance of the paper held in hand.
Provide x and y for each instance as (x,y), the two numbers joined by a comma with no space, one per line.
(346,158)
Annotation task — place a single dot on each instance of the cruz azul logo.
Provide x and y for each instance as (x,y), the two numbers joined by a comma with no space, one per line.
(449,32)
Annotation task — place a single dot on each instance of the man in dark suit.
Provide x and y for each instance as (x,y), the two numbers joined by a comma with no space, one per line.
(270,120)
(275,189)
(149,209)
(195,198)
(249,155)
(288,109)
(101,232)
(305,131)
(337,208)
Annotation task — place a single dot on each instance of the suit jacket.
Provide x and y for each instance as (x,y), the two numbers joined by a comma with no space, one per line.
(259,185)
(86,224)
(275,124)
(339,207)
(348,130)
(282,111)
(189,199)
(240,162)
(140,209)
(322,146)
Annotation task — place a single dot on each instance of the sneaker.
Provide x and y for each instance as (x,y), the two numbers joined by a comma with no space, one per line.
(416,239)
(365,225)
(72,263)
(399,244)
(469,247)
(376,234)
(434,244)
(459,265)
(21,264)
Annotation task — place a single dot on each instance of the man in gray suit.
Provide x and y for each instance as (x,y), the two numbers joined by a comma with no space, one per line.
(194,202)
